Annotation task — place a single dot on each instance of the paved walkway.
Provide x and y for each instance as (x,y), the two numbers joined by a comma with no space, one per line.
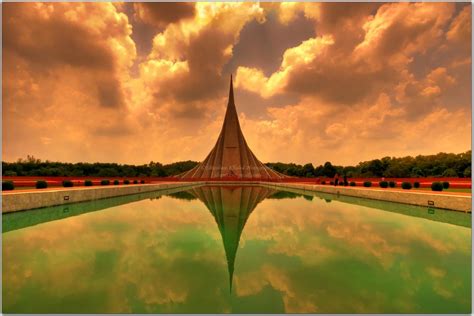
(457,201)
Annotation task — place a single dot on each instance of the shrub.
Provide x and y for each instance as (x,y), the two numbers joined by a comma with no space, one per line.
(383,184)
(142,181)
(68,183)
(116,182)
(105,182)
(392,184)
(7,185)
(41,184)
(126,182)
(88,183)
(436,186)
(406,185)
(416,184)
(445,185)
(353,184)
(367,184)
(135,181)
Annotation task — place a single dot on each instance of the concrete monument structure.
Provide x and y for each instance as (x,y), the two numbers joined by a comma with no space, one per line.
(231,157)
(231,206)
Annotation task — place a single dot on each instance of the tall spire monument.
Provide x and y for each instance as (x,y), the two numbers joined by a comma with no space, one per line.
(231,207)
(231,157)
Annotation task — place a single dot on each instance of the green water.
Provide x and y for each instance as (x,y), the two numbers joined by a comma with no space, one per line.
(236,249)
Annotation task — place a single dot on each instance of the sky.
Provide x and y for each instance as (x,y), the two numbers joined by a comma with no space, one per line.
(314,82)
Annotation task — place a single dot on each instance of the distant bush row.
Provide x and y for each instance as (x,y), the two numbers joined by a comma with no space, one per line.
(439,186)
(42,184)
(435,186)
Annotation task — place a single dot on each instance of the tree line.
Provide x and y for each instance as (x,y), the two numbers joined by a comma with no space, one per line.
(36,167)
(439,165)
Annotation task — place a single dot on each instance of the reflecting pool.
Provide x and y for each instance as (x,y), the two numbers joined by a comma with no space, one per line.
(240,249)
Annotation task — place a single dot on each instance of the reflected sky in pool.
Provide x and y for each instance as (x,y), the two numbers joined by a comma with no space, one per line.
(234,249)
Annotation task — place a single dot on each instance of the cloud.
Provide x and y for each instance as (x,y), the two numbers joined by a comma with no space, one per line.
(164,13)
(346,71)
(49,39)
(186,244)
(320,238)
(67,65)
(204,44)
(460,29)
(326,132)
(360,86)
(359,75)
(254,80)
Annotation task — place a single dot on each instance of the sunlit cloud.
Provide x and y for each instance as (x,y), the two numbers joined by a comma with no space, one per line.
(77,76)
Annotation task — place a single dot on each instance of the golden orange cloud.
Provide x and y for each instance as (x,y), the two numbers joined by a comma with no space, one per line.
(104,82)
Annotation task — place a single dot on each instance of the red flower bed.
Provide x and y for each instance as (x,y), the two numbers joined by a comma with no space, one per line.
(78,181)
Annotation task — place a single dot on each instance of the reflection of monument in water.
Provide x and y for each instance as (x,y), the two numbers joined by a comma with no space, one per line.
(231,206)
(231,158)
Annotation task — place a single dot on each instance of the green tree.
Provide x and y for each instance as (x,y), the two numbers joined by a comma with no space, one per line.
(308,170)
(416,172)
(450,173)
(328,170)
(467,172)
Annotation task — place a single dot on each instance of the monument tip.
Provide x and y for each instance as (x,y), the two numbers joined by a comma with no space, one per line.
(231,91)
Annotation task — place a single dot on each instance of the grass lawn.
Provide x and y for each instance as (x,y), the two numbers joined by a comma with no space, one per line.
(448,190)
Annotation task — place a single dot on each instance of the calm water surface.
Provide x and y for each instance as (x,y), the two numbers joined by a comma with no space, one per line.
(236,249)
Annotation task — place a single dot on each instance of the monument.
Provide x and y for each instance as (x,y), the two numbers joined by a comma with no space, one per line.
(231,206)
(231,157)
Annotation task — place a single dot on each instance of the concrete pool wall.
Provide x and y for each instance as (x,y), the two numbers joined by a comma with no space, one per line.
(446,201)
(18,201)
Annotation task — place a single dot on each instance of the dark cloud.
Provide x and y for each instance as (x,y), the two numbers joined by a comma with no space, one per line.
(205,57)
(262,44)
(341,76)
(142,35)
(205,51)
(334,15)
(344,21)
(109,93)
(335,81)
(160,14)
(460,29)
(51,41)
(114,130)
(193,111)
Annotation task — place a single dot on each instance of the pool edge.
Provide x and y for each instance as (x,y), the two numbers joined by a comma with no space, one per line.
(442,201)
(19,201)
